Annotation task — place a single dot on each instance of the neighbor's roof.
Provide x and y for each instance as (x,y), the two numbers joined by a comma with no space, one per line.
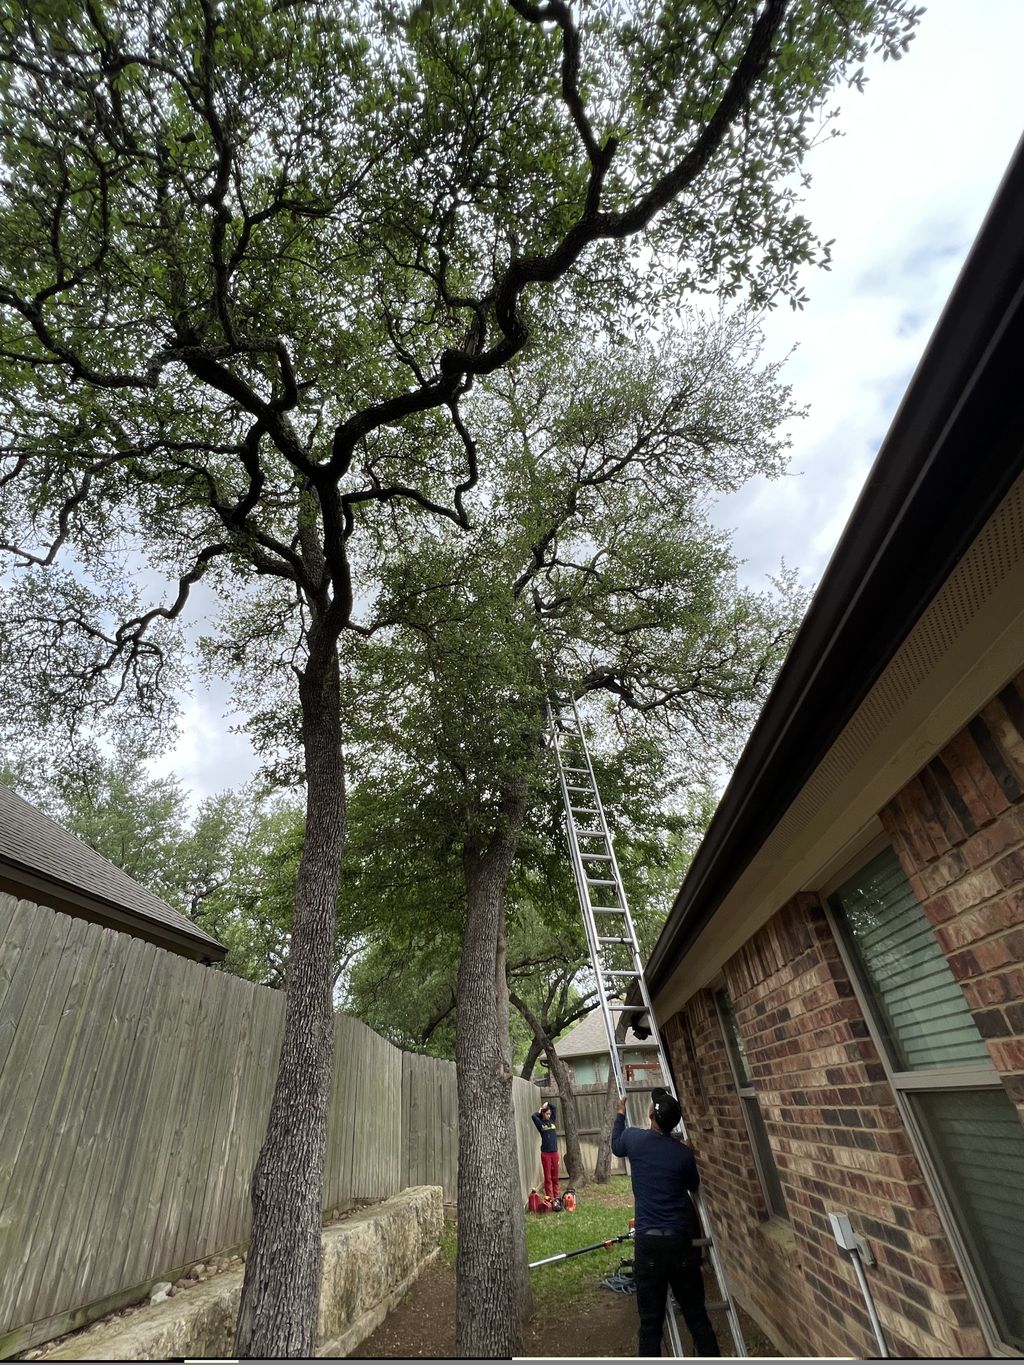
(40,860)
(950,460)
(589,1039)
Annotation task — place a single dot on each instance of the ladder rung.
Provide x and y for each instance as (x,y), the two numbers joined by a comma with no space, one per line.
(613,940)
(599,881)
(571,788)
(608,909)
(719,1303)
(596,857)
(627,1009)
(576,770)
(619,973)
(590,834)
(582,810)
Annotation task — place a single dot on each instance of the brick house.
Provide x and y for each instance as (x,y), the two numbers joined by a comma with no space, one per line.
(840,983)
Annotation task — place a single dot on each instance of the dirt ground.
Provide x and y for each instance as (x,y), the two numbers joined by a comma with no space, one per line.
(423,1325)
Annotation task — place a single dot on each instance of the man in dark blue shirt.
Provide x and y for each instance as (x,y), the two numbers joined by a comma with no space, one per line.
(664,1173)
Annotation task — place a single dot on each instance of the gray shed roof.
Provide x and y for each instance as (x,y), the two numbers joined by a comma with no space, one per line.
(589,1039)
(42,861)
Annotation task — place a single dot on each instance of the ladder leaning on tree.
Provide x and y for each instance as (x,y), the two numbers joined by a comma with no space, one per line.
(611,937)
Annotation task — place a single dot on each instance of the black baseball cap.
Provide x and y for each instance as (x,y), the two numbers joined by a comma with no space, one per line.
(666,1108)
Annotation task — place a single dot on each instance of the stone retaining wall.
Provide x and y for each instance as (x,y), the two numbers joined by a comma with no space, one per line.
(370,1260)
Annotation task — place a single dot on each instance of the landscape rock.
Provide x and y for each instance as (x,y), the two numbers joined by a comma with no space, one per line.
(369,1261)
(159,1291)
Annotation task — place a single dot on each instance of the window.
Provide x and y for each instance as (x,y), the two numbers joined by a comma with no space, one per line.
(969,1133)
(584,1072)
(767,1171)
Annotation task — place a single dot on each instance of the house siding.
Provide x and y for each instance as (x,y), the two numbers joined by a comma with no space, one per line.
(840,1144)
(958,830)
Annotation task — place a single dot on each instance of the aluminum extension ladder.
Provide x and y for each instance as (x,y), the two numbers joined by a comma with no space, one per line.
(614,949)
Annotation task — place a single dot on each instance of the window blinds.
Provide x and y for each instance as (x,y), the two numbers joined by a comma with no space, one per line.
(916,996)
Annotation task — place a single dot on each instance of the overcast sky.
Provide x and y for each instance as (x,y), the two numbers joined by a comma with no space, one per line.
(903,192)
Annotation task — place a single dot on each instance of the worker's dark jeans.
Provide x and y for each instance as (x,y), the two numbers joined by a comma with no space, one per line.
(658,1262)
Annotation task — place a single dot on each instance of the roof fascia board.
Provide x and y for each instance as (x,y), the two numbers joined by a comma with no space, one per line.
(16,880)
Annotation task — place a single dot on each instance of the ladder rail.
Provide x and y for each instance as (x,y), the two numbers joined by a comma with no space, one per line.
(589,926)
(627,938)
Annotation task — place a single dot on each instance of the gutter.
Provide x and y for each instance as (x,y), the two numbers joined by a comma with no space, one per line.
(953,451)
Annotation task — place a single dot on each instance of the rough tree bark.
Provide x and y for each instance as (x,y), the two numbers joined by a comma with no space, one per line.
(524,1288)
(281,1290)
(491,1244)
(603,1166)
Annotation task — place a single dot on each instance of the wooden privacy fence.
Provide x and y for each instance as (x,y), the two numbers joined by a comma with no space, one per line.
(134,1092)
(430,1133)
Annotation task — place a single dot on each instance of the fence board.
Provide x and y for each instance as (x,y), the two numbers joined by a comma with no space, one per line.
(94,1277)
(175,1189)
(72,1227)
(62,1143)
(26,1210)
(8,905)
(156,1210)
(131,1234)
(227,1027)
(32,1059)
(33,994)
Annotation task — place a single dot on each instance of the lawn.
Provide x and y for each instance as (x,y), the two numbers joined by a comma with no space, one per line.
(602,1211)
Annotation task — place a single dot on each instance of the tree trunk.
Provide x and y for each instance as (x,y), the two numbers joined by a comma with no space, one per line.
(532,1055)
(524,1287)
(281,1291)
(603,1169)
(491,1239)
(570,1117)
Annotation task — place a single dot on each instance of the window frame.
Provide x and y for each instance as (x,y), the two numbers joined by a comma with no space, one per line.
(981,1076)
(748,1097)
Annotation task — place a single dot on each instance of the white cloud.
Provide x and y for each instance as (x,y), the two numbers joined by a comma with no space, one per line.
(208,758)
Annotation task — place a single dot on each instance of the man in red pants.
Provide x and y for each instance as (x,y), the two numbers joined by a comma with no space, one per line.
(544,1121)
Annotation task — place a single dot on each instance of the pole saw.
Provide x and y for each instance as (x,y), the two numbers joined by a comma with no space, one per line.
(594,1246)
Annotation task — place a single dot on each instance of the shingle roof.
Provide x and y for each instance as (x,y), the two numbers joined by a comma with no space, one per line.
(32,842)
(589,1039)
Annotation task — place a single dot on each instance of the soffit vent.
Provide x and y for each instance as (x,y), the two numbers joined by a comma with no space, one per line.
(996,552)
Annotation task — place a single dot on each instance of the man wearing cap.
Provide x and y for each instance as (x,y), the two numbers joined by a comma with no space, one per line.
(664,1173)
(544,1122)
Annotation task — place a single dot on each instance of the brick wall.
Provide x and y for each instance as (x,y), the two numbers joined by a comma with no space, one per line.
(958,829)
(759,1258)
(839,1144)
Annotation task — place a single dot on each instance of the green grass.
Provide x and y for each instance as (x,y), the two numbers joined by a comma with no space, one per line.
(602,1211)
